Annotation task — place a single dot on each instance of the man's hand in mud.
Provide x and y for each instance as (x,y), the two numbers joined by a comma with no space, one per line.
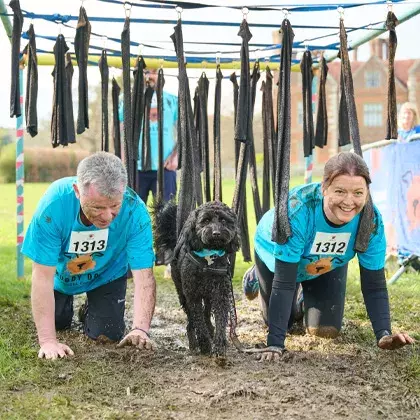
(271,354)
(54,350)
(139,339)
(395,341)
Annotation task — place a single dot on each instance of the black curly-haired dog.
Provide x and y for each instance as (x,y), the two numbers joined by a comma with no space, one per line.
(200,269)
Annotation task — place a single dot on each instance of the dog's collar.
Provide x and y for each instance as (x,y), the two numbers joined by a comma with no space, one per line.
(203,253)
(205,266)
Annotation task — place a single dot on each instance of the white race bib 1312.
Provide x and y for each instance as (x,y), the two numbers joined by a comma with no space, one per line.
(86,242)
(330,243)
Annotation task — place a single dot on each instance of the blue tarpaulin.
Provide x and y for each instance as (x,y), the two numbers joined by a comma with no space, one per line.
(395,189)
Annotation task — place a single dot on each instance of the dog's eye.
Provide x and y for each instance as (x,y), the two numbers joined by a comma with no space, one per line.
(206,220)
(223,221)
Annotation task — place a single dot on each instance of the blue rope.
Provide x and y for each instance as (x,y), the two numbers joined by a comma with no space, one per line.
(296,45)
(57,18)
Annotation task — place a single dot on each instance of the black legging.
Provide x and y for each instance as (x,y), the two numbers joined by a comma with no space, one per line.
(323,297)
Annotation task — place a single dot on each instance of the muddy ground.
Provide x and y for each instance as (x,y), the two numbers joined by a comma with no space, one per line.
(317,379)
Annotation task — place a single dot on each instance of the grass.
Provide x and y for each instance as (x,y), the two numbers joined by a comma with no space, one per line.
(64,389)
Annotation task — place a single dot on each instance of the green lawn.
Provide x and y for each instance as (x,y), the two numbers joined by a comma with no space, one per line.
(20,370)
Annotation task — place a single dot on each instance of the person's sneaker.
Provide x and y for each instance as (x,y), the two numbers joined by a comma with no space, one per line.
(250,283)
(167,272)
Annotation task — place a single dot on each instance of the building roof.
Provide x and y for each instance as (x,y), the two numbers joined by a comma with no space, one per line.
(335,66)
(402,68)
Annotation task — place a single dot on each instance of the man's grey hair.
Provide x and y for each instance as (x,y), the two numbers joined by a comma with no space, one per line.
(103,170)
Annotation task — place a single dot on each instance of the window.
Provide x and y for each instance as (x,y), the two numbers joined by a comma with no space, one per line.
(372,115)
(300,113)
(372,79)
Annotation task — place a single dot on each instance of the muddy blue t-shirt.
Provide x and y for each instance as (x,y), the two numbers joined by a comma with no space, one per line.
(87,257)
(316,244)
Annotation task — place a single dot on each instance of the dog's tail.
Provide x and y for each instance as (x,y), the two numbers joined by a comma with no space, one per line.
(164,225)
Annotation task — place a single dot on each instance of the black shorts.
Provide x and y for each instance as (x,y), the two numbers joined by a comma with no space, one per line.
(323,297)
(105,313)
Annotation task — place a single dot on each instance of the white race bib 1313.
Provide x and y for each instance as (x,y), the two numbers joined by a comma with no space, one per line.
(86,242)
(330,243)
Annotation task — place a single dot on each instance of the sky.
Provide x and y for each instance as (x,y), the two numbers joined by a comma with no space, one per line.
(159,34)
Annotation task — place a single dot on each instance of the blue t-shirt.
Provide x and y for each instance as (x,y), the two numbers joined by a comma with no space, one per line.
(87,257)
(317,245)
(404,136)
(170,118)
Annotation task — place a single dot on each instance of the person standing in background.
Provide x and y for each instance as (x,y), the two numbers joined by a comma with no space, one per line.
(147,179)
(408,123)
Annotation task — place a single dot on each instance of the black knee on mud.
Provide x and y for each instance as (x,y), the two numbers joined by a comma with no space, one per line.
(323,331)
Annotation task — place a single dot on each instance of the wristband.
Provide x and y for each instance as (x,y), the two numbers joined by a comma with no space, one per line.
(141,329)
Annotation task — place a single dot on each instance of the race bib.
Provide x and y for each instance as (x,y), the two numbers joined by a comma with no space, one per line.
(86,242)
(330,243)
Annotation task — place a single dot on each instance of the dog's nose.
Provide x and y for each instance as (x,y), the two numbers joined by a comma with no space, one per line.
(216,232)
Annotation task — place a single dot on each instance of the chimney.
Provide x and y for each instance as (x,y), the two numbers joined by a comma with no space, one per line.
(355,54)
(379,48)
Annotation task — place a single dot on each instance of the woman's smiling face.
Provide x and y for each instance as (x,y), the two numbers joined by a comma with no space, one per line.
(344,198)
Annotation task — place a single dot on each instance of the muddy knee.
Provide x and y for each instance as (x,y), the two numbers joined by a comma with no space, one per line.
(323,331)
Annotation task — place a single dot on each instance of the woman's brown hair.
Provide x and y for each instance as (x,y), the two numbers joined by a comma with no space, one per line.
(345,163)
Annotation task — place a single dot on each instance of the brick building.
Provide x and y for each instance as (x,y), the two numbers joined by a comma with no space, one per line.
(370,79)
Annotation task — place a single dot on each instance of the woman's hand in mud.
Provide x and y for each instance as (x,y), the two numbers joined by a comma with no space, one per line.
(138,338)
(395,341)
(54,350)
(271,354)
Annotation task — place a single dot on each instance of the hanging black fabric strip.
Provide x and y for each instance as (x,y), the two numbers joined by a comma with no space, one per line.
(187,135)
(137,105)
(234,81)
(203,94)
(281,227)
(321,132)
(15,109)
(128,126)
(71,133)
(366,224)
(198,149)
(269,111)
(81,48)
(115,118)
(308,120)
(343,114)
(242,121)
(217,166)
(252,159)
(104,70)
(31,84)
(59,130)
(161,118)
(243,221)
(392,125)
(241,126)
(146,154)
(266,159)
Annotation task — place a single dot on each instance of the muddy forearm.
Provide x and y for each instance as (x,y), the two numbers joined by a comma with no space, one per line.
(43,303)
(144,298)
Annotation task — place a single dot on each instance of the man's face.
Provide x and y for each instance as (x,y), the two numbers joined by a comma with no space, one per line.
(98,209)
(344,198)
(151,77)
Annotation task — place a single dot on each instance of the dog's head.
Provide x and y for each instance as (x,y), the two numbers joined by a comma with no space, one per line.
(213,225)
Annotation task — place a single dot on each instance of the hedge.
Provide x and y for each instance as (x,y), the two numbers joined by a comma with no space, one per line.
(41,164)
